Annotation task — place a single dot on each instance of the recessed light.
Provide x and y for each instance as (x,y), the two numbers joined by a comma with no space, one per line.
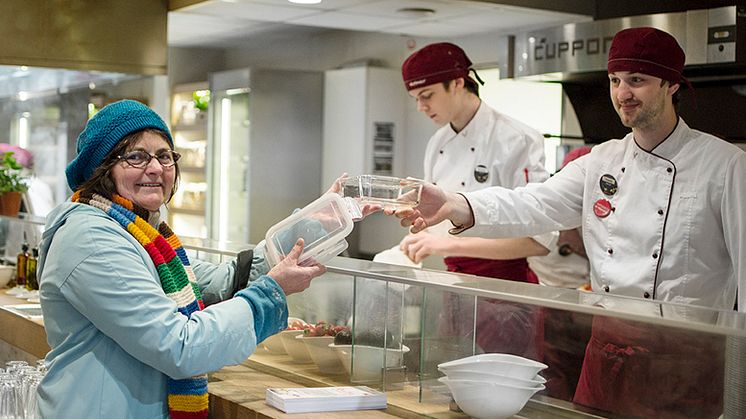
(416,12)
(305,1)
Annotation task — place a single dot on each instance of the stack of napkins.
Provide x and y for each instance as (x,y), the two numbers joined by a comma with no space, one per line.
(325,399)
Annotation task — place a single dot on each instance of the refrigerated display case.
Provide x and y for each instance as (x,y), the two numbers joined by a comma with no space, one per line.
(187,209)
(264,158)
(425,318)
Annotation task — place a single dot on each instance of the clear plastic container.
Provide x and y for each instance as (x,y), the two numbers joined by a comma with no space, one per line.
(323,224)
(389,192)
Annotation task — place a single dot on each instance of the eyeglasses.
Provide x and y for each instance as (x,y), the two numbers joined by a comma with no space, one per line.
(141,158)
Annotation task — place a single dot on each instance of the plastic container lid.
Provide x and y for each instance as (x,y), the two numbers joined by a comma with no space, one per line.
(323,224)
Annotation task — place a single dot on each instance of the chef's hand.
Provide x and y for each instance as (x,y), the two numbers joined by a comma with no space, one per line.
(366,209)
(435,206)
(421,245)
(573,239)
(292,277)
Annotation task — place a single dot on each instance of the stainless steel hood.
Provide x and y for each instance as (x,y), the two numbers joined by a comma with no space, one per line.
(711,38)
(575,55)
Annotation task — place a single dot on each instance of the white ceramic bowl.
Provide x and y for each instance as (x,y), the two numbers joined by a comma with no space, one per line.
(6,273)
(294,347)
(322,355)
(488,400)
(273,345)
(368,360)
(487,377)
(502,364)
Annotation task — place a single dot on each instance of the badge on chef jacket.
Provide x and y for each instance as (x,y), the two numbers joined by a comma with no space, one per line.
(608,184)
(481,173)
(602,208)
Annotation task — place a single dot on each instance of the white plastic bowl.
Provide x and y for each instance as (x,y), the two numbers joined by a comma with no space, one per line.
(502,364)
(368,360)
(488,400)
(322,355)
(273,345)
(6,273)
(294,347)
(487,377)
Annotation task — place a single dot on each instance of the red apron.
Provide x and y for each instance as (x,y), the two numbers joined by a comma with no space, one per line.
(501,326)
(640,370)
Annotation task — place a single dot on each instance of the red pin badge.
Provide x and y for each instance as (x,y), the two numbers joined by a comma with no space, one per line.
(602,208)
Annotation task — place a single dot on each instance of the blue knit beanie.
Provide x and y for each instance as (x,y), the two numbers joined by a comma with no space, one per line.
(104,131)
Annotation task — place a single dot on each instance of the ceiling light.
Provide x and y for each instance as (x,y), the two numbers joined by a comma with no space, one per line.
(305,1)
(416,12)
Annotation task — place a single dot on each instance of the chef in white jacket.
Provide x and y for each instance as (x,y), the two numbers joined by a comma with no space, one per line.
(663,213)
(474,148)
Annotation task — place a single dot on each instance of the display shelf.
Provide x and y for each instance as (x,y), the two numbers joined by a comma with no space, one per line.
(189,128)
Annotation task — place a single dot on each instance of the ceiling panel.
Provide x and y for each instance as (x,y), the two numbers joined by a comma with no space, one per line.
(217,23)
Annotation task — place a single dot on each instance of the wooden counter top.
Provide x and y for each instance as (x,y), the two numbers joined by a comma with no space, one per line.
(21,332)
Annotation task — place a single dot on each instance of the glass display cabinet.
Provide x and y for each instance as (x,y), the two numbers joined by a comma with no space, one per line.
(424,318)
(401,323)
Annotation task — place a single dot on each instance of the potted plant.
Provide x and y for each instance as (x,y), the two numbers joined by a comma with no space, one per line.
(12,184)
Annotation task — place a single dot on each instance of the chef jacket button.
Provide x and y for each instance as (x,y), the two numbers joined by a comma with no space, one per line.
(606,288)
(655,255)
(660,212)
(441,151)
(610,251)
(669,170)
(646,295)
(622,169)
(463,183)
(472,149)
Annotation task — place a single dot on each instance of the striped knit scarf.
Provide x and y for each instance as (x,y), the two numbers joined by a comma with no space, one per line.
(187,398)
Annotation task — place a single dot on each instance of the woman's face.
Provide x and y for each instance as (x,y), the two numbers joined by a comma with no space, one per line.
(149,186)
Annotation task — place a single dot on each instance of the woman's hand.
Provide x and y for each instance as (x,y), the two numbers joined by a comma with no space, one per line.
(292,277)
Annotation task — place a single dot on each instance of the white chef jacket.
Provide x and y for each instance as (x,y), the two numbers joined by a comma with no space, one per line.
(504,151)
(563,271)
(678,228)
(491,150)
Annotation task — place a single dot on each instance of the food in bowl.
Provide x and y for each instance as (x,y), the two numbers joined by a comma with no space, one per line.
(489,400)
(368,361)
(273,344)
(317,338)
(496,363)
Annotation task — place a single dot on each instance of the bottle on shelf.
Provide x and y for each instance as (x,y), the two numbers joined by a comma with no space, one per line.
(31,282)
(21,261)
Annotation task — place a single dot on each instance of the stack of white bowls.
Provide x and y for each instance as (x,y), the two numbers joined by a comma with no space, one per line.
(492,386)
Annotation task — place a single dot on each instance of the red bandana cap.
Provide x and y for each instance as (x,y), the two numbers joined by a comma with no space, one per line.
(649,51)
(435,63)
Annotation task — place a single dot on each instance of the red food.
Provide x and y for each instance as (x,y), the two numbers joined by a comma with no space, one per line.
(323,328)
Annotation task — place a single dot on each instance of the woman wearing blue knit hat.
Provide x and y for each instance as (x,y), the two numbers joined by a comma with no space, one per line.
(133,324)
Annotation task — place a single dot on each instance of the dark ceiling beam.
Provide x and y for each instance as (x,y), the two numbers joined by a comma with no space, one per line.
(180,4)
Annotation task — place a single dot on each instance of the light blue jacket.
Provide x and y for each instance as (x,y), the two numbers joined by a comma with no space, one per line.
(114,333)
